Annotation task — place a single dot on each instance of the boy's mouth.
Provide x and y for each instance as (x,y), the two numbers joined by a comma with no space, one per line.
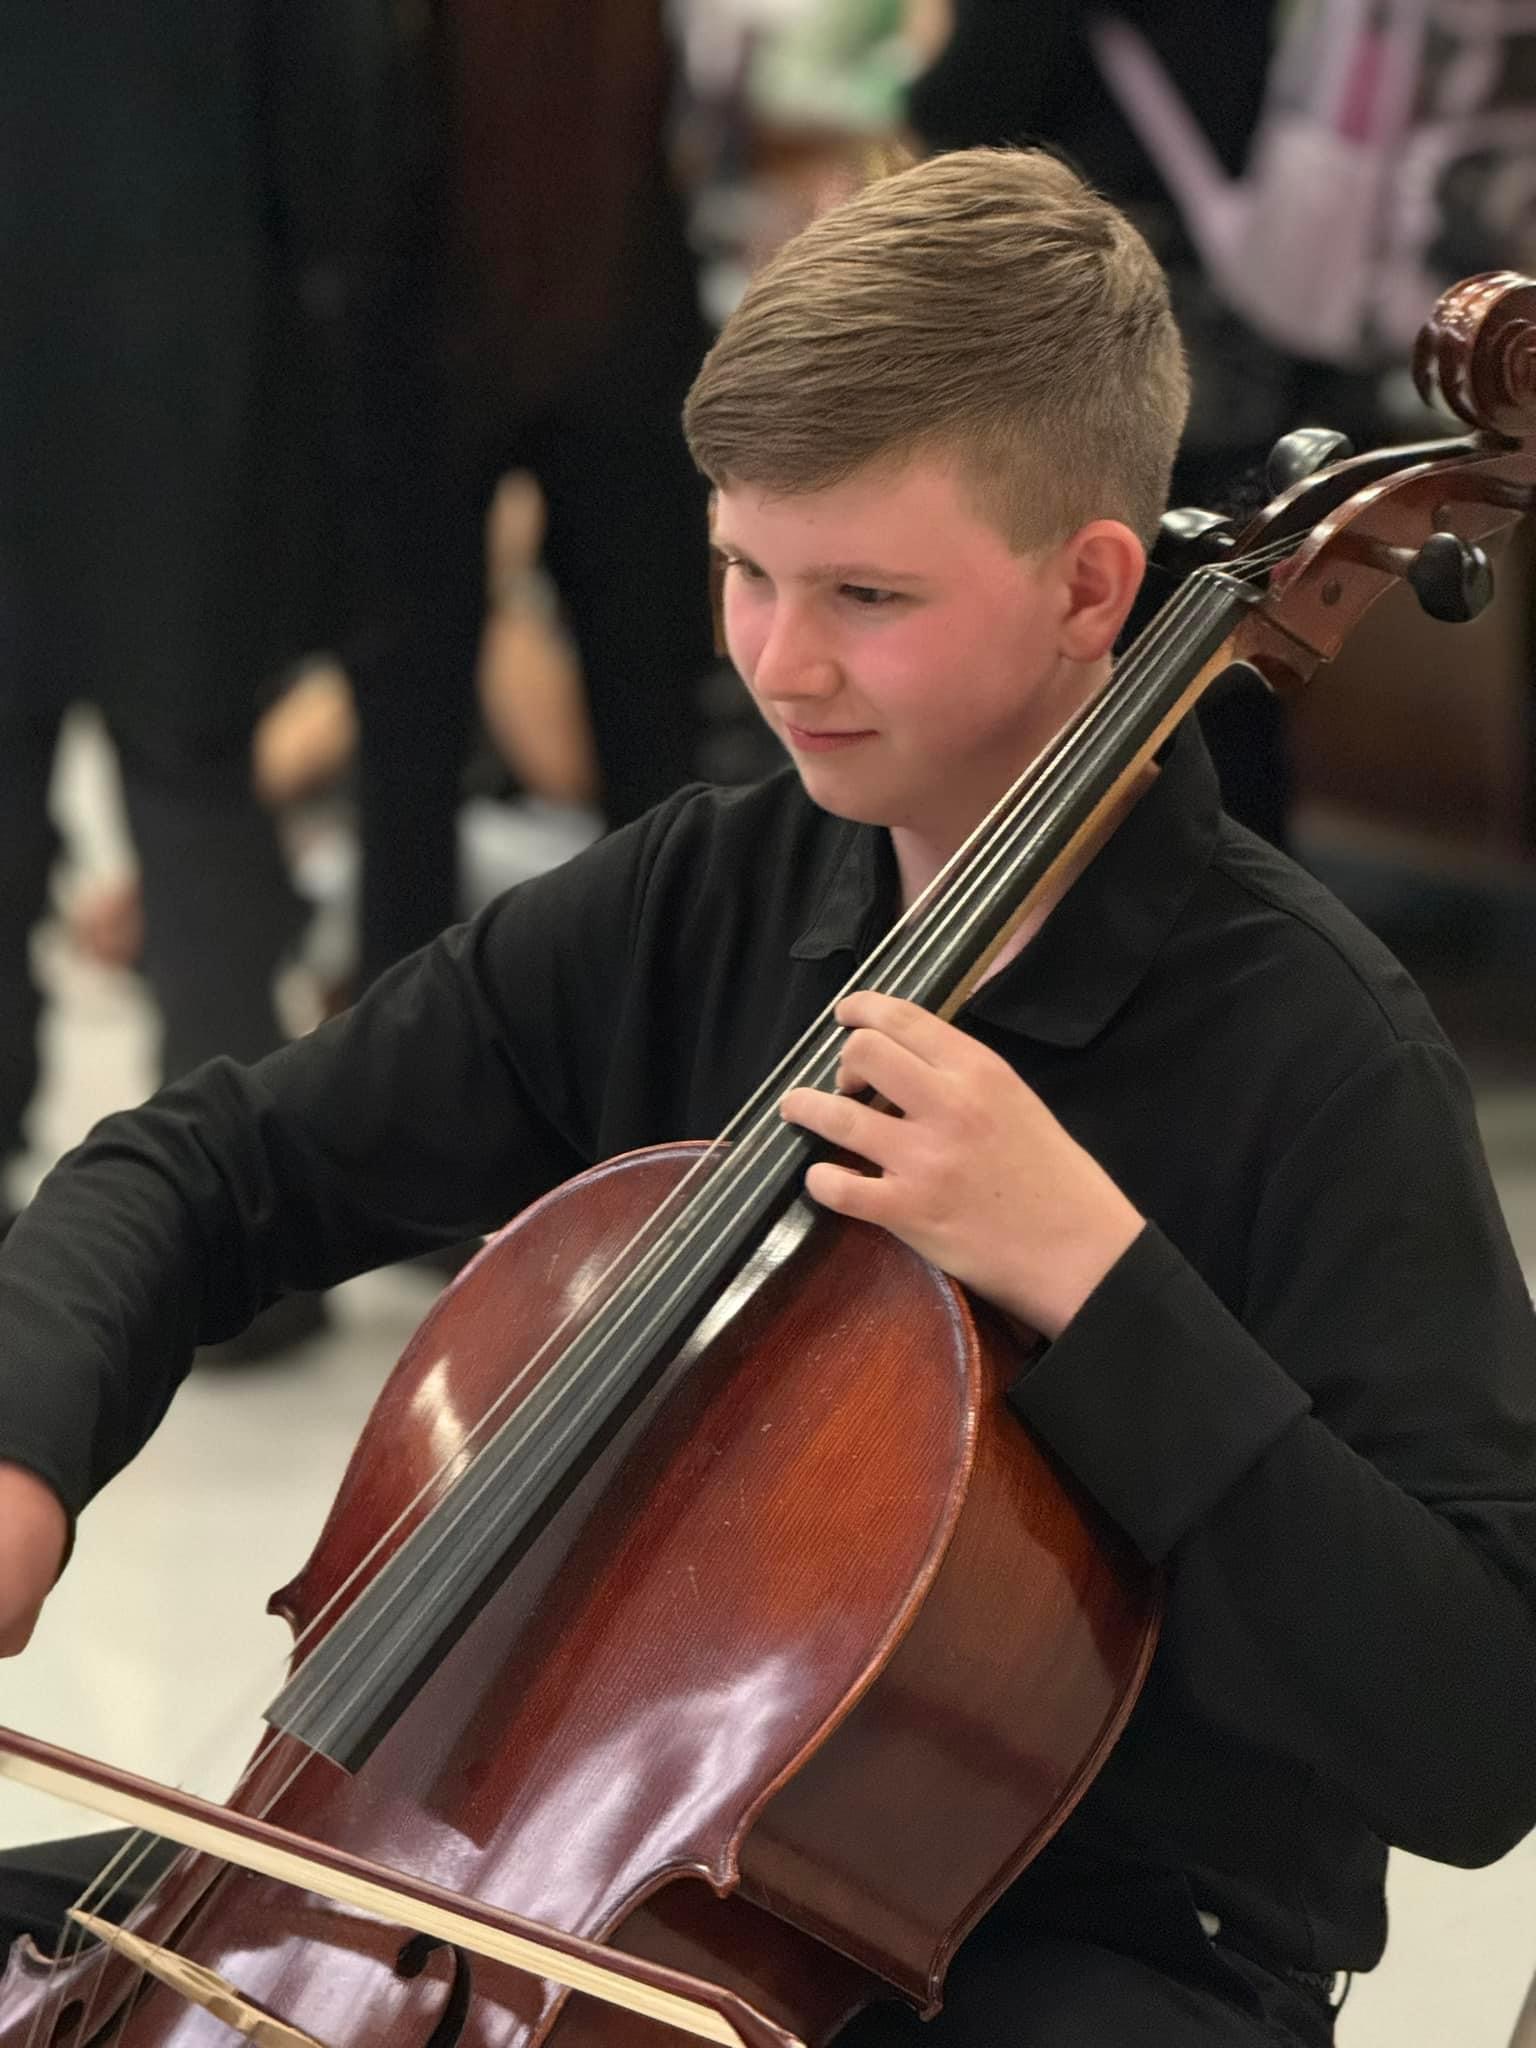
(821,742)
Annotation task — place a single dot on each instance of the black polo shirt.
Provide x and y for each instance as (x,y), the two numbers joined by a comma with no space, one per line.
(1308,1387)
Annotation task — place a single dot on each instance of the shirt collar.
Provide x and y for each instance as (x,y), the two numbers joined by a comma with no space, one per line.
(1088,958)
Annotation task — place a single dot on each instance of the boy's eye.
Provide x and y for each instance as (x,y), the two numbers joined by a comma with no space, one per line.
(742,566)
(866,595)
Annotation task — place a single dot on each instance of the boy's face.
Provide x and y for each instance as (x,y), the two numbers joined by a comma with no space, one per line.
(910,661)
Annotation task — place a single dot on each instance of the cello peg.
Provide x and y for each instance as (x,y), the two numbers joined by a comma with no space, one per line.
(1188,538)
(1303,453)
(1452,578)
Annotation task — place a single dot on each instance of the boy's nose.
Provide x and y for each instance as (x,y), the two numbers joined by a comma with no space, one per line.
(793,663)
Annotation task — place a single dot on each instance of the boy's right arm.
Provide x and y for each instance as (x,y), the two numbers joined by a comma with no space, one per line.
(34,1531)
(457,1090)
(398,1126)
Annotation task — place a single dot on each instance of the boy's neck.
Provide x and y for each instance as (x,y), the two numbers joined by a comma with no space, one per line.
(922,850)
(919,860)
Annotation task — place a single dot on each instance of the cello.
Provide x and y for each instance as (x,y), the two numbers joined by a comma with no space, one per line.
(624,1660)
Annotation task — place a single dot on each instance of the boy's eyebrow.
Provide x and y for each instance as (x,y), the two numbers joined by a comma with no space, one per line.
(828,572)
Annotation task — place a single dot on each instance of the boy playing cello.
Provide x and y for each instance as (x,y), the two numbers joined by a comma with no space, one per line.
(1197,1129)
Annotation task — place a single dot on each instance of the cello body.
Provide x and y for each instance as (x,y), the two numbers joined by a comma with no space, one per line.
(814,1658)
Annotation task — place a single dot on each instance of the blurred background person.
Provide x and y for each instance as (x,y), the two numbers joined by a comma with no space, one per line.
(1312,175)
(997,80)
(1392,154)
(165,241)
(525,298)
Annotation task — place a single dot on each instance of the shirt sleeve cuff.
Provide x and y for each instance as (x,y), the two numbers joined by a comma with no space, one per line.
(1154,1396)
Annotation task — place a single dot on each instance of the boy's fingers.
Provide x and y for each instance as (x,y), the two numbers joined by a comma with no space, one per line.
(873,1059)
(927,1036)
(856,1127)
(864,1196)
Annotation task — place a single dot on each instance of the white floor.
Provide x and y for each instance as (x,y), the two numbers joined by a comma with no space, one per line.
(156,1654)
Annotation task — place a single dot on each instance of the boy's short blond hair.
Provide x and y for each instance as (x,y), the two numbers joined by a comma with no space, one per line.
(985,306)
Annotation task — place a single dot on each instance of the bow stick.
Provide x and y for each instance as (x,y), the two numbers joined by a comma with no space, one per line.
(671,1996)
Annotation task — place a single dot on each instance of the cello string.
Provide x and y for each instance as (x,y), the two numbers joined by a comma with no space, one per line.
(129,1857)
(64,1961)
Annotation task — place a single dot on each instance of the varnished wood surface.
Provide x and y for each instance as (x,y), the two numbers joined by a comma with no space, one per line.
(697,1621)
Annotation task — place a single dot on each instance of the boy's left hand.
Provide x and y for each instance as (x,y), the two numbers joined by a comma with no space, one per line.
(976,1174)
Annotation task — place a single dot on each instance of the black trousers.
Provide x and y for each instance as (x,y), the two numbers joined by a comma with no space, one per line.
(219,910)
(627,547)
(1160,1984)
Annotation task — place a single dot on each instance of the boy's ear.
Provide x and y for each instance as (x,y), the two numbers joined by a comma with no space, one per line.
(1102,567)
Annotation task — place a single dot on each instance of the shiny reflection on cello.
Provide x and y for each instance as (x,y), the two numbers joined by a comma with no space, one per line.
(751,1576)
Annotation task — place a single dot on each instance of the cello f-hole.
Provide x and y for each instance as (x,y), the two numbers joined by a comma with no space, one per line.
(413,1959)
(67,2024)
